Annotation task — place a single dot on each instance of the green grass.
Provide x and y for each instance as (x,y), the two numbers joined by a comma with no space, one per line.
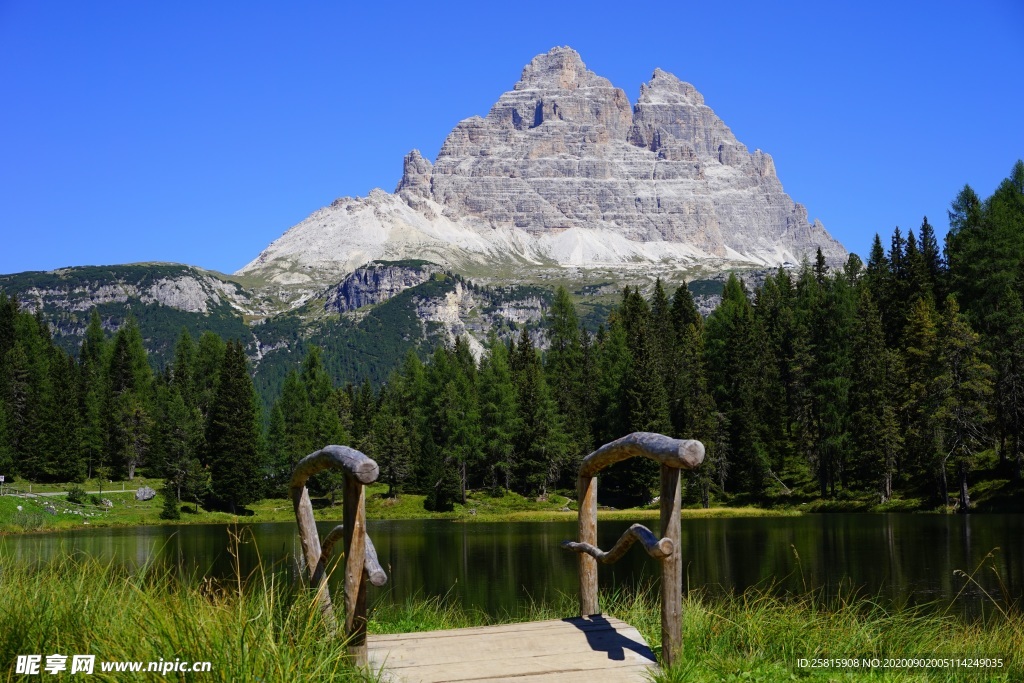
(264,627)
(255,628)
(481,506)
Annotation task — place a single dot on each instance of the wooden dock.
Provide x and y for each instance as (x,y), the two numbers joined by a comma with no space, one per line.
(595,649)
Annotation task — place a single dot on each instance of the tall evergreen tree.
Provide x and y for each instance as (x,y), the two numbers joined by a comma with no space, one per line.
(499,415)
(392,436)
(932,255)
(920,351)
(65,460)
(564,370)
(874,418)
(92,360)
(541,443)
(233,434)
(830,386)
(963,387)
(1009,359)
(732,366)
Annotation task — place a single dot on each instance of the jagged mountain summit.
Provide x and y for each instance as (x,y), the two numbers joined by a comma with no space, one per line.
(563,173)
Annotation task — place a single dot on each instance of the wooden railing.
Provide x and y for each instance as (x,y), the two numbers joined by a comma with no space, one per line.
(673,455)
(361,565)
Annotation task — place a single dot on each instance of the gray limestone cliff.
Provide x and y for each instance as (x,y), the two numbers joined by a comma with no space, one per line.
(565,172)
(376,283)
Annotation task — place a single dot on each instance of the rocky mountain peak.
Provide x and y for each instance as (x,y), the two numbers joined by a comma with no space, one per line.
(666,88)
(557,88)
(564,172)
(560,68)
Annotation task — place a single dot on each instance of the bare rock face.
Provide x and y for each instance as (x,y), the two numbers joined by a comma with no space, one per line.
(564,172)
(376,283)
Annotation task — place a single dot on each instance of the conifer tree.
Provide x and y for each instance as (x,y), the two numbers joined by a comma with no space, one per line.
(183,370)
(564,369)
(499,415)
(233,434)
(1009,359)
(29,396)
(324,420)
(64,461)
(92,390)
(682,371)
(932,255)
(830,386)
(541,444)
(963,387)
(700,413)
(920,352)
(297,438)
(874,420)
(279,460)
(209,359)
(391,437)
(8,314)
(773,321)
(731,368)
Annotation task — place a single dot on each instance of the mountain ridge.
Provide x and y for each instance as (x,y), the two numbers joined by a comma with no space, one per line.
(563,172)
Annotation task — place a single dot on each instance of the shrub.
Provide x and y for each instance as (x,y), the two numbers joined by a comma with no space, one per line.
(76,494)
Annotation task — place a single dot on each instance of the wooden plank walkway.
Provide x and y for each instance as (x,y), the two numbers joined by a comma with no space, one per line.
(595,649)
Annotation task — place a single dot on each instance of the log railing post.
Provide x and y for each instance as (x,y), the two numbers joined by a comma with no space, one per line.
(355,557)
(587,497)
(673,455)
(671,566)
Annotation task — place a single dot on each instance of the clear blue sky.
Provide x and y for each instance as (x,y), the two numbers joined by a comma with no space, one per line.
(198,132)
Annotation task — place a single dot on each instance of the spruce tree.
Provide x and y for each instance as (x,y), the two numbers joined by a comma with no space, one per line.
(564,369)
(499,415)
(732,366)
(92,360)
(932,255)
(209,359)
(920,357)
(962,387)
(874,417)
(233,434)
(831,328)
(1009,359)
(391,437)
(541,443)
(64,462)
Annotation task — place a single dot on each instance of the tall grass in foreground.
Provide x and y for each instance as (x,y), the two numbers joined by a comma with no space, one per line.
(259,628)
(264,628)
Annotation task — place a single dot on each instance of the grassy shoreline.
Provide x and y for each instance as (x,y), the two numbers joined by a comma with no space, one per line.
(480,507)
(266,627)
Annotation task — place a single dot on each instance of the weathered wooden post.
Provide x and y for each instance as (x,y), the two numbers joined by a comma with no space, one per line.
(587,497)
(673,455)
(361,563)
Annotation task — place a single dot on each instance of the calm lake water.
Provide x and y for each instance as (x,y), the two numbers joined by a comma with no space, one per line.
(499,568)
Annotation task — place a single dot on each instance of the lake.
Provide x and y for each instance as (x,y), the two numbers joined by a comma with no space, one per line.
(500,567)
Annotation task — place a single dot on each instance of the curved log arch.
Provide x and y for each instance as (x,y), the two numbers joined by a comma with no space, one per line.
(685,454)
(354,463)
